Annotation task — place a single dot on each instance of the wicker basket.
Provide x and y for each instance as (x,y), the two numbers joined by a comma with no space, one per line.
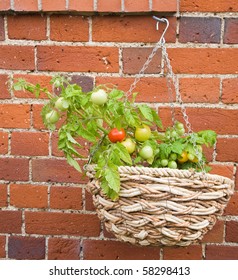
(162,206)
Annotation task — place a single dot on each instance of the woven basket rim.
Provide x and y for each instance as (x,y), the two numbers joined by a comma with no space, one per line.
(167,172)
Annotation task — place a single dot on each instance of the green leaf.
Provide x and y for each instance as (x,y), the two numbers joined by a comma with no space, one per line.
(73,163)
(146,111)
(209,137)
(123,153)
(116,94)
(157,119)
(177,147)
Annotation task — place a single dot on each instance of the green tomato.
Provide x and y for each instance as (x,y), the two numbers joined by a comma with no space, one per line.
(129,145)
(172,164)
(146,152)
(181,131)
(61,104)
(143,133)
(174,134)
(99,97)
(52,117)
(172,156)
(191,157)
(164,162)
(179,125)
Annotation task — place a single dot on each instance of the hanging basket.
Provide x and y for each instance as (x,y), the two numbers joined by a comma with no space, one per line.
(161,206)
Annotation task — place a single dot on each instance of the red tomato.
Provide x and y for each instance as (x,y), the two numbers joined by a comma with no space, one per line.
(116,135)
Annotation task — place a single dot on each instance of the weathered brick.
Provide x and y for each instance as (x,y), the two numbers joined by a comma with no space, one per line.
(2,32)
(26,248)
(42,80)
(30,143)
(223,170)
(226,148)
(208,6)
(86,83)
(5,5)
(27,27)
(230,32)
(204,60)
(200,90)
(26,5)
(200,30)
(55,170)
(81,5)
(89,202)
(14,116)
(69,28)
(3,195)
(2,247)
(66,198)
(28,196)
(10,221)
(63,249)
(37,118)
(62,223)
(134,59)
(16,169)
(74,58)
(3,142)
(108,29)
(114,250)
(136,6)
(232,231)
(109,6)
(17,57)
(4,91)
(150,89)
(221,252)
(56,5)
(216,234)
(164,5)
(230,91)
(193,252)
(223,121)
(232,207)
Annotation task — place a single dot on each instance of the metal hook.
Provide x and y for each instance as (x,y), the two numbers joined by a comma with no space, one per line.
(157,26)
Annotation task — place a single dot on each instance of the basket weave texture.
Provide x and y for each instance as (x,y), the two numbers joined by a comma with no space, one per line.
(161,206)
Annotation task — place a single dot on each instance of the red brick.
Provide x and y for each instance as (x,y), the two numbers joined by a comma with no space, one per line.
(37,118)
(229,91)
(208,6)
(28,196)
(193,252)
(56,5)
(71,58)
(16,169)
(30,143)
(3,142)
(85,82)
(114,250)
(136,6)
(109,6)
(43,80)
(223,121)
(230,33)
(223,170)
(216,234)
(200,90)
(109,29)
(55,170)
(14,116)
(232,207)
(63,249)
(200,30)
(4,91)
(10,221)
(3,195)
(66,198)
(150,89)
(27,27)
(2,247)
(221,252)
(69,28)
(26,248)
(226,149)
(2,32)
(5,5)
(26,5)
(62,223)
(89,202)
(232,231)
(134,58)
(81,5)
(17,57)
(164,5)
(236,180)
(107,234)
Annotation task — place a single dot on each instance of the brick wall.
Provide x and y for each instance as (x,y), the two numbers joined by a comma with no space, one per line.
(45,211)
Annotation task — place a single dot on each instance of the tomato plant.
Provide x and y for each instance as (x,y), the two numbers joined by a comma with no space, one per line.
(52,117)
(143,133)
(129,144)
(61,104)
(146,152)
(99,97)
(117,135)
